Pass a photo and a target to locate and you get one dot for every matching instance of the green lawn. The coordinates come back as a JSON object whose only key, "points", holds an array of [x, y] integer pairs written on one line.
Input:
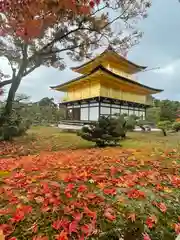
{"points": [[53, 139], [134, 139]]}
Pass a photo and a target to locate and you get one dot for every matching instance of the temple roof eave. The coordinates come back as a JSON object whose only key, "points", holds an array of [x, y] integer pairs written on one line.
{"points": [[110, 50], [100, 68]]}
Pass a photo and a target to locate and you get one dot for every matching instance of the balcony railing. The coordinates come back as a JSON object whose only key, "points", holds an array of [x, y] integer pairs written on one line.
{"points": [[148, 100]]}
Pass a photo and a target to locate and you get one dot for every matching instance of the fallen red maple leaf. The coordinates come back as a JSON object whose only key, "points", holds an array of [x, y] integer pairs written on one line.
{"points": [[62, 236], [90, 213], [162, 207], [87, 229], [110, 191], [82, 188], [77, 216], [18, 216], [57, 224], [109, 214], [134, 193], [151, 221], [177, 228], [73, 227], [40, 238], [146, 236], [132, 216]]}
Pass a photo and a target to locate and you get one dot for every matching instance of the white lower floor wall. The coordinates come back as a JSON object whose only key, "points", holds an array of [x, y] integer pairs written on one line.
{"points": [[115, 109], [93, 110], [92, 113], [84, 114]]}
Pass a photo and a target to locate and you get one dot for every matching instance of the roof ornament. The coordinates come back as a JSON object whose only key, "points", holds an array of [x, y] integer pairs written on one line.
{"points": [[110, 48]]}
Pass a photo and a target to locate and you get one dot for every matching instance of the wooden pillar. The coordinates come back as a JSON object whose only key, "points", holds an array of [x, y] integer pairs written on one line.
{"points": [[66, 113], [111, 109], [145, 112], [88, 111], [128, 109], [99, 100]]}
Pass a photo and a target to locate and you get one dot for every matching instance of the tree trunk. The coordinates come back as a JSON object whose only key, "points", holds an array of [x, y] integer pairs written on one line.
{"points": [[11, 96], [142, 128], [16, 79], [10, 99], [164, 132]]}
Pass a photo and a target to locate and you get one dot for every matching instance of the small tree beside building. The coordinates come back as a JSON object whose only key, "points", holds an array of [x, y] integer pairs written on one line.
{"points": [[107, 131], [164, 126], [176, 126]]}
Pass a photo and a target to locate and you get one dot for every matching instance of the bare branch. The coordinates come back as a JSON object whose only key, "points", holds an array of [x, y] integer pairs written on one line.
{"points": [[5, 82], [71, 48], [24, 51], [118, 17], [98, 10], [31, 70], [21, 97]]}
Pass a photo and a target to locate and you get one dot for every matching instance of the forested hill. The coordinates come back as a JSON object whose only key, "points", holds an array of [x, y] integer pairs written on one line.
{"points": [[45, 111]]}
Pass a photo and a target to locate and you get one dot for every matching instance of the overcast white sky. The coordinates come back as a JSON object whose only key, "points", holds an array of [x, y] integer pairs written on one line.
{"points": [[159, 47]]}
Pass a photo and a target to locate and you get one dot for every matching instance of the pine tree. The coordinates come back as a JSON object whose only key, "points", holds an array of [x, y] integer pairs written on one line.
{"points": [[106, 131]]}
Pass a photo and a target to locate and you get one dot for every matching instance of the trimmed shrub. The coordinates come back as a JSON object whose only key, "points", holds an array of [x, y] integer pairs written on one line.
{"points": [[14, 126], [130, 123], [107, 131], [142, 124], [164, 126], [176, 126]]}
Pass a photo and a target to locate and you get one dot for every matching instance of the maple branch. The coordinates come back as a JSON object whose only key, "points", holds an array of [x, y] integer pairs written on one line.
{"points": [[98, 10], [58, 39], [31, 70], [9, 81], [71, 48], [25, 52], [118, 17]]}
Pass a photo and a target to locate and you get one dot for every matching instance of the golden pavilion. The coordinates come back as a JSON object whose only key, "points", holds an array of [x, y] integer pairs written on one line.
{"points": [[107, 87]]}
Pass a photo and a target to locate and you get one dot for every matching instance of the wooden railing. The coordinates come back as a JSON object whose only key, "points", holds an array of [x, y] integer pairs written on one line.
{"points": [[147, 101]]}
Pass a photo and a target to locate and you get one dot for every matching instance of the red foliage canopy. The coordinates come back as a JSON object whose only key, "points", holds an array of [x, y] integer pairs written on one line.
{"points": [[31, 17]]}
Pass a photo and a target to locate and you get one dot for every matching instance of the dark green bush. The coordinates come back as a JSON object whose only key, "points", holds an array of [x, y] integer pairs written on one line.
{"points": [[107, 131], [176, 126], [130, 123], [14, 126], [164, 126]]}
